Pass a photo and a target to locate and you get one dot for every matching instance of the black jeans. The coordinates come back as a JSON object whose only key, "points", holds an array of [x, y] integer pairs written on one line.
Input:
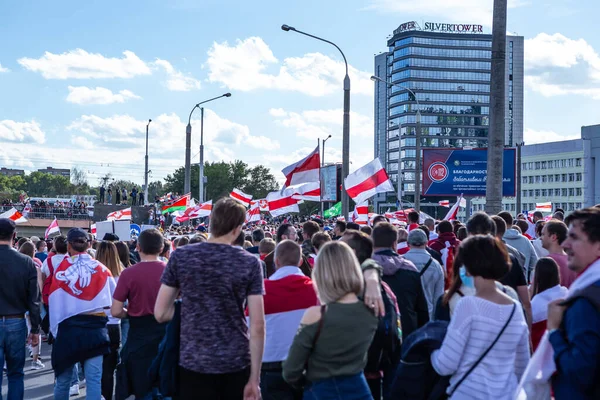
{"points": [[193, 385], [274, 387], [110, 361]]}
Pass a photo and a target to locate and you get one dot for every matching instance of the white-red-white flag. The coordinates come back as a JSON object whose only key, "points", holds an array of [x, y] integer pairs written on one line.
{"points": [[282, 202], [367, 181], [454, 210], [253, 214], [543, 207], [93, 229], [310, 191], [444, 203], [263, 204], [305, 170], [119, 215], [14, 215], [52, 228], [361, 213], [198, 211], [241, 197]]}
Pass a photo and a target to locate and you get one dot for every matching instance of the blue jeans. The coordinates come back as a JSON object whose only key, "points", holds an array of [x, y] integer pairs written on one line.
{"points": [[92, 368], [353, 387], [13, 334], [273, 387]]}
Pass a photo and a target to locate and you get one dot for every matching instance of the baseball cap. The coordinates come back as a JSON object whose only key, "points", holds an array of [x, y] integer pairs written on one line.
{"points": [[417, 237], [77, 235], [201, 228]]}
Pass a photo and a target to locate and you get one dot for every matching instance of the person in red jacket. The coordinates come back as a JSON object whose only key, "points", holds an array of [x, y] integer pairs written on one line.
{"points": [[447, 244]]}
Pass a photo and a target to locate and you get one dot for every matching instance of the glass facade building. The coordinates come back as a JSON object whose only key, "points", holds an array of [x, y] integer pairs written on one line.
{"points": [[449, 75]]}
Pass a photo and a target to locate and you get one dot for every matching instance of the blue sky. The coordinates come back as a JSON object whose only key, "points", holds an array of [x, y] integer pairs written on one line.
{"points": [[79, 80]]}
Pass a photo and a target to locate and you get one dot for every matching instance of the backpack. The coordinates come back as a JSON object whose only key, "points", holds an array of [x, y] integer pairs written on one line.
{"points": [[384, 352]]}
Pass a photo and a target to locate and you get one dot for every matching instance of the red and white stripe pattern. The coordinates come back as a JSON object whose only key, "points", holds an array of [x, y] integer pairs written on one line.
{"points": [[93, 229], [281, 203], [310, 191], [305, 170], [119, 215], [367, 181], [14, 215], [241, 197], [52, 228], [454, 210], [253, 214], [361, 213], [444, 203], [198, 211], [544, 207]]}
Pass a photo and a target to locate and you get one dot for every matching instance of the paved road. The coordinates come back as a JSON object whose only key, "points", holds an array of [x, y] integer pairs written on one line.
{"points": [[39, 385]]}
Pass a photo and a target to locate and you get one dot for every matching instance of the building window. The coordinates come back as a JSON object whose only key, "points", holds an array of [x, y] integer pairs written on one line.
{"points": [[550, 178], [578, 191], [564, 192], [524, 166], [543, 164], [571, 177], [537, 192], [544, 178], [531, 193], [537, 165], [531, 179], [578, 205], [578, 177], [578, 163], [557, 178], [544, 192]]}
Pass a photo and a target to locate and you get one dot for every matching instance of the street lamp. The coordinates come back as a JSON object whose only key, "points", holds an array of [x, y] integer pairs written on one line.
{"points": [[322, 165], [417, 146], [346, 121], [188, 144], [146, 169]]}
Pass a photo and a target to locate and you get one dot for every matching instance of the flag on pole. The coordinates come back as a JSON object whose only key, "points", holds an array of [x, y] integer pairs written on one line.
{"points": [[305, 170], [263, 204], [14, 215], [361, 213], [53, 228], [282, 202], [119, 215], [454, 210], [333, 211], [310, 191], [181, 204], [253, 214], [543, 207], [198, 211], [367, 181], [241, 197], [444, 203]]}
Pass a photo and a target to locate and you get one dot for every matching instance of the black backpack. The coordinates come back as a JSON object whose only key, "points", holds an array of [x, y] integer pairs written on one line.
{"points": [[386, 347]]}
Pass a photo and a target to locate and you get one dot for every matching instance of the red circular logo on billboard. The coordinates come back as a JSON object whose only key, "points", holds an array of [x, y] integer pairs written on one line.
{"points": [[438, 172]]}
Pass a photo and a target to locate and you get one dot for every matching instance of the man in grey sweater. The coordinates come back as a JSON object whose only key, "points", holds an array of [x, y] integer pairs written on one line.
{"points": [[515, 239]]}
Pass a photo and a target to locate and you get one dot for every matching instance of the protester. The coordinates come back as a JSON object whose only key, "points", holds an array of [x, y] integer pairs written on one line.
{"points": [[217, 356], [486, 348], [333, 339], [166, 251], [554, 234], [524, 226], [266, 247], [257, 235], [413, 220], [513, 238], [545, 289], [109, 196], [447, 245], [366, 230], [402, 277], [41, 250], [318, 240], [430, 224], [338, 229], [19, 293], [430, 271], [402, 246], [77, 316], [540, 251], [309, 228], [378, 219], [138, 285], [59, 252], [288, 294], [435, 254]]}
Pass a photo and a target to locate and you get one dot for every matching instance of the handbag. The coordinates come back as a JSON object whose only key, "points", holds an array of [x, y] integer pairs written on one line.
{"points": [[484, 353]]}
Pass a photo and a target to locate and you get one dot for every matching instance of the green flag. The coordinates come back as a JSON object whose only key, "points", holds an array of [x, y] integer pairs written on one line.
{"points": [[333, 211]]}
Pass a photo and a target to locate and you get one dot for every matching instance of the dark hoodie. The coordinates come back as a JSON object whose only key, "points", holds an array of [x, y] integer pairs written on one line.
{"points": [[402, 277]]}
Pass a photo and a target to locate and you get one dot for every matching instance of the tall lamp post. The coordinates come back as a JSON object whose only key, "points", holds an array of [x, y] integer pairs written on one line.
{"points": [[188, 145], [146, 168], [322, 165], [417, 147], [346, 121]]}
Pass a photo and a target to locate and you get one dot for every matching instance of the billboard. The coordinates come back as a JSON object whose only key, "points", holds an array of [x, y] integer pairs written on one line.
{"points": [[451, 172], [329, 185]]}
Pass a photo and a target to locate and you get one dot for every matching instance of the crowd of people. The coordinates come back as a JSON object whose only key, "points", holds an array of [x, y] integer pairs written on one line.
{"points": [[116, 195], [496, 307], [46, 209]]}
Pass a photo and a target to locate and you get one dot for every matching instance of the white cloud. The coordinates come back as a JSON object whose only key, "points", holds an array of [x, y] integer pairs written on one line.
{"points": [[532, 136], [557, 65], [118, 128], [245, 67], [98, 95], [177, 80], [315, 124], [30, 132], [3, 69], [79, 64], [82, 142], [466, 11]]}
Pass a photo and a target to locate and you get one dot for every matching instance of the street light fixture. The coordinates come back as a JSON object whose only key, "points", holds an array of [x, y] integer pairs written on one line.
{"points": [[417, 147], [146, 168], [188, 144], [346, 121], [322, 165]]}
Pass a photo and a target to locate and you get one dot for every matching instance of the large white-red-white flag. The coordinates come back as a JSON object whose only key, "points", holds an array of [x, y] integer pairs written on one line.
{"points": [[305, 170], [454, 210], [241, 197], [310, 191], [367, 181], [253, 214], [53, 228], [361, 213], [282, 202], [80, 285], [263, 204], [543, 207], [14, 215], [197, 211], [119, 215]]}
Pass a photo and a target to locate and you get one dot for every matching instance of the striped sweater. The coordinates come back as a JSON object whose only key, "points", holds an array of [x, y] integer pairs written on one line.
{"points": [[474, 326]]}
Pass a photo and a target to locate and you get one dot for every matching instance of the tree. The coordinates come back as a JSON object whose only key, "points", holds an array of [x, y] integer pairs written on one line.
{"points": [[78, 177], [495, 153], [155, 189], [261, 182]]}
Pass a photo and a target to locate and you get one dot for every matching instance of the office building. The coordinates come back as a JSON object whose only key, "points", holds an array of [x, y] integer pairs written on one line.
{"points": [[11, 172], [57, 171], [447, 69]]}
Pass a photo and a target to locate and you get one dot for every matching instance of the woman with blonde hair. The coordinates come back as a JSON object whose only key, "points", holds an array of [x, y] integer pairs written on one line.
{"points": [[108, 255], [329, 351]]}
